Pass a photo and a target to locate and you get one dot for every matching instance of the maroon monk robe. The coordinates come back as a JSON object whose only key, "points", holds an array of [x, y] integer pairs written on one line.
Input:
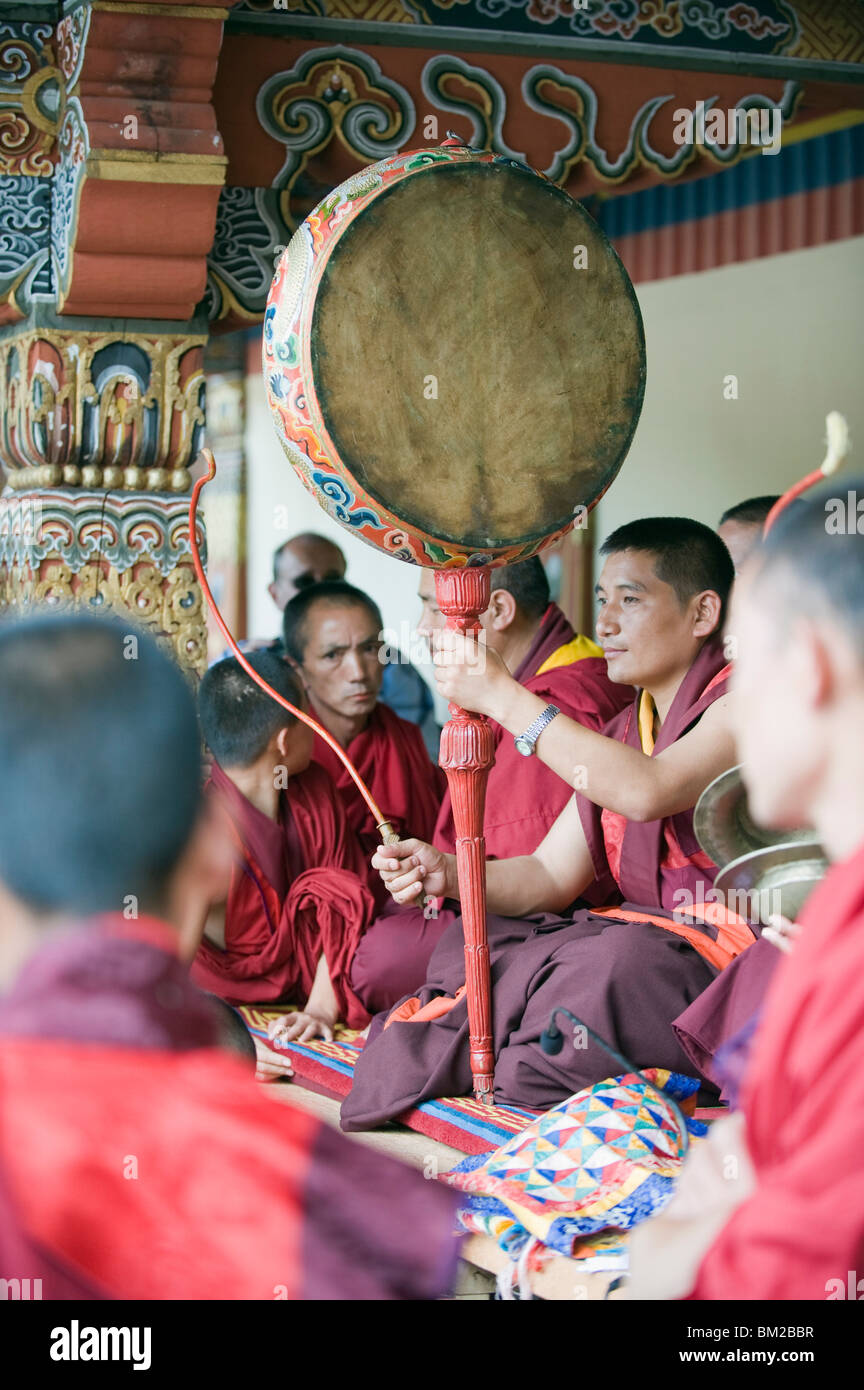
{"points": [[624, 976], [108, 1055], [730, 1005], [802, 1231], [296, 893], [391, 757], [656, 862], [523, 796], [523, 799]]}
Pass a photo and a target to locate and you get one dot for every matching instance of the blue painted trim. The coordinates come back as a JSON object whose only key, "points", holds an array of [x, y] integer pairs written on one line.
{"points": [[822, 162]]}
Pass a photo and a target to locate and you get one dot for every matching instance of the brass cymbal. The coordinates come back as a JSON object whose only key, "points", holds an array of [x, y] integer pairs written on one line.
{"points": [[775, 878], [724, 827]]}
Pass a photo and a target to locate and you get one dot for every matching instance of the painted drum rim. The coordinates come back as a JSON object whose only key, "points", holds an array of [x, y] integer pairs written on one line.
{"points": [[313, 456]]}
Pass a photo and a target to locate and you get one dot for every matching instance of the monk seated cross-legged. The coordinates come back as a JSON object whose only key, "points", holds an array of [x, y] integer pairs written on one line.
{"points": [[628, 969], [523, 796], [332, 637], [138, 1157], [298, 902]]}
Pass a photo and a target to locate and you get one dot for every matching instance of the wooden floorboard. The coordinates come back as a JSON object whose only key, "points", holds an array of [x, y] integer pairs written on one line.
{"points": [[429, 1155]]}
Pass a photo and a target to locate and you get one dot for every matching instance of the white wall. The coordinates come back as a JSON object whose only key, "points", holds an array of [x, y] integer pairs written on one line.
{"points": [[790, 327], [273, 490]]}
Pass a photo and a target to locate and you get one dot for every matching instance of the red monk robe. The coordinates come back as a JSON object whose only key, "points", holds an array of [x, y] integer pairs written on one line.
{"points": [[627, 970], [802, 1230], [391, 757], [298, 891], [109, 1057], [523, 799]]}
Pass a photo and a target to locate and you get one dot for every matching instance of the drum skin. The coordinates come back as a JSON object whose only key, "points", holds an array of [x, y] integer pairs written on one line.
{"points": [[454, 358]]}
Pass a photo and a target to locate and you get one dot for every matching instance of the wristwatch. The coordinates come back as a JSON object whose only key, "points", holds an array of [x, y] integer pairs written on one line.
{"points": [[525, 743]]}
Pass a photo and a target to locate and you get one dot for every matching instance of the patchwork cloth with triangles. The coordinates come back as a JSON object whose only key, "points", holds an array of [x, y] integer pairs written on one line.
{"points": [[606, 1158]]}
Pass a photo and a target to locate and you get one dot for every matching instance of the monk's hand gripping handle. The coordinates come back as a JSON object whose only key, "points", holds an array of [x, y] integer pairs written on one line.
{"points": [[389, 837]]}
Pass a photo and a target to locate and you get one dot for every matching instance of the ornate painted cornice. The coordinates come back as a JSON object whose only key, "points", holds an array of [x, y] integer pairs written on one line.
{"points": [[103, 552], [140, 158], [336, 108], [79, 527], [30, 96], [112, 111], [25, 239], [250, 236]]}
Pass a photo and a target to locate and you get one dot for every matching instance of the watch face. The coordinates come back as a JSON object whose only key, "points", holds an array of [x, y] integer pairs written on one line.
{"points": [[524, 746]]}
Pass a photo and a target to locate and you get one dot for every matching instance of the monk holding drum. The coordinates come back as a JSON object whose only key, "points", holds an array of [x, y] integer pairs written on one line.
{"points": [[457, 388], [629, 967]]}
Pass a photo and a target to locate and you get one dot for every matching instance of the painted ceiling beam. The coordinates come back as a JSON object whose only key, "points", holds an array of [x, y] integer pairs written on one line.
{"points": [[450, 40]]}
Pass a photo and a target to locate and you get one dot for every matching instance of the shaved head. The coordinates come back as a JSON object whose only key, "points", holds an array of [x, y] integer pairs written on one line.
{"points": [[740, 527], [686, 555], [528, 584], [238, 718], [304, 560], [99, 764], [751, 512], [812, 561], [519, 597], [797, 625]]}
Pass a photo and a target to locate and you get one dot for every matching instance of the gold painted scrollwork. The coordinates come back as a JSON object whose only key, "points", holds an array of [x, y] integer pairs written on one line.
{"points": [[171, 608]]}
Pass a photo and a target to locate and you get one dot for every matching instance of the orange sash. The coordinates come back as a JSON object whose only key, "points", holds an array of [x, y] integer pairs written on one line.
{"points": [[733, 933], [411, 1012]]}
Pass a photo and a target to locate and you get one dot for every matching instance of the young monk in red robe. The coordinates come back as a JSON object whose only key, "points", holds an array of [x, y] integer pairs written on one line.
{"points": [[626, 970], [332, 636], [137, 1157], [523, 796], [298, 903], [772, 1206]]}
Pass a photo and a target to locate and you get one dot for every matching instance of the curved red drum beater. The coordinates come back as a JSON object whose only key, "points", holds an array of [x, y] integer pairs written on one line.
{"points": [[388, 835]]}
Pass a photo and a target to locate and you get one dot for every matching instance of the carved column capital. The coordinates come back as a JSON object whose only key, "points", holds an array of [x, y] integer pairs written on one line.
{"points": [[100, 409]]}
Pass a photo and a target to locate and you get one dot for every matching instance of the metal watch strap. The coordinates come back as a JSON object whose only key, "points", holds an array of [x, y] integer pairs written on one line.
{"points": [[533, 732]]}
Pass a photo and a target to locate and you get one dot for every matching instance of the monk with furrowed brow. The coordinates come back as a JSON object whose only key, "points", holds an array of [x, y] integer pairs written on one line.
{"points": [[626, 969], [332, 637]]}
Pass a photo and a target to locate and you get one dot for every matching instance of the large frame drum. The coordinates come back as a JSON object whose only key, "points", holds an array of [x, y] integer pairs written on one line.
{"points": [[455, 363]]}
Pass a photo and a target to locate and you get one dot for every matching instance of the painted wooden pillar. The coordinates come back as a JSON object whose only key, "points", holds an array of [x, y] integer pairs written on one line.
{"points": [[111, 189]]}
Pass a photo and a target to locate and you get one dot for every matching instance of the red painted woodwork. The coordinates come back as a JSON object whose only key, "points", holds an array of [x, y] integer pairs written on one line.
{"points": [[167, 228], [255, 157], [467, 753], [812, 218], [140, 241]]}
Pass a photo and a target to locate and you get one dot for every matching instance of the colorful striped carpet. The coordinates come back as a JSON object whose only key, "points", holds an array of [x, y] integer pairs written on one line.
{"points": [[329, 1066]]}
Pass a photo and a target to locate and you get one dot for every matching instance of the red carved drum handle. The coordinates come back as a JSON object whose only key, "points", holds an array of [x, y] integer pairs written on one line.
{"points": [[467, 753]]}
